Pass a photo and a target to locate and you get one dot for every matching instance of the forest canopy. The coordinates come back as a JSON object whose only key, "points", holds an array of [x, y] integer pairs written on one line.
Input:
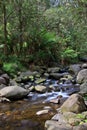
{"points": [[42, 31]]}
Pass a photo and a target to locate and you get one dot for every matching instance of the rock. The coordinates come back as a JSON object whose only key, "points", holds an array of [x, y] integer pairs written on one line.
{"points": [[60, 118], [57, 75], [68, 76], [6, 77], [57, 100], [26, 76], [40, 88], [31, 88], [74, 121], [82, 76], [1, 72], [2, 80], [75, 103], [3, 99], [13, 92], [64, 118], [75, 68], [83, 88], [13, 82], [81, 127], [46, 75], [47, 108], [2, 86], [40, 80], [42, 112], [55, 125], [53, 70], [84, 66]]}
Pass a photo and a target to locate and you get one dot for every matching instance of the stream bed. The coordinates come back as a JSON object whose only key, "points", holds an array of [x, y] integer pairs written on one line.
{"points": [[21, 114]]}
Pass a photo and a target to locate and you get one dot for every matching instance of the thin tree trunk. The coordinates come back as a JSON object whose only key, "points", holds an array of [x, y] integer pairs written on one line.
{"points": [[20, 27], [5, 29]]}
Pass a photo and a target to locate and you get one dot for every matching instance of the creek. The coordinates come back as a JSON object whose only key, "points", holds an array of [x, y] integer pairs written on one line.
{"points": [[21, 114]]}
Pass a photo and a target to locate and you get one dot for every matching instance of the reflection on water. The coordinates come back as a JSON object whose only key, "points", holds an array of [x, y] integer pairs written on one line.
{"points": [[22, 114]]}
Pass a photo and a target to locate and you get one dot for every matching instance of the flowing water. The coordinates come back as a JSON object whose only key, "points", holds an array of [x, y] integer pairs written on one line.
{"points": [[21, 114]]}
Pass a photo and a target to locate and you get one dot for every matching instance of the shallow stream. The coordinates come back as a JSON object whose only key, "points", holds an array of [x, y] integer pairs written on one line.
{"points": [[21, 114]]}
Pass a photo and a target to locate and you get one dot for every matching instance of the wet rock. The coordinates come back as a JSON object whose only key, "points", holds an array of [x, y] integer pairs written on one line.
{"points": [[57, 100], [82, 76], [46, 75], [13, 92], [40, 88], [75, 103], [47, 108], [53, 70], [3, 100], [40, 80], [57, 75], [84, 66], [42, 112], [31, 88], [75, 68], [68, 76]]}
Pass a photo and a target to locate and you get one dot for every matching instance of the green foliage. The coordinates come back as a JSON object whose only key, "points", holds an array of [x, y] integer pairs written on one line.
{"points": [[81, 116], [69, 54], [12, 66], [42, 33]]}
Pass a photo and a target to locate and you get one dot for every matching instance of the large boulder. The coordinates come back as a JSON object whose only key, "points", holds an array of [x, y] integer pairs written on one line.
{"points": [[75, 68], [13, 92], [83, 88], [82, 76], [55, 125], [75, 103]]}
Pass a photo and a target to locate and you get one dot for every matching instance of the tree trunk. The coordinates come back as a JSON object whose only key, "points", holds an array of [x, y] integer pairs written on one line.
{"points": [[20, 27], [5, 29]]}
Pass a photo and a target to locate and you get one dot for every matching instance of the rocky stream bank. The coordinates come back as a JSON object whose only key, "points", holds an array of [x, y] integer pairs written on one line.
{"points": [[32, 97]]}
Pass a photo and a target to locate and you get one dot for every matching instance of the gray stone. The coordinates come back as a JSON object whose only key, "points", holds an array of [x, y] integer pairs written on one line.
{"points": [[6, 77], [82, 76], [75, 103], [81, 127], [13, 92], [40, 80], [40, 88], [84, 66], [2, 80], [75, 68], [2, 86], [55, 125], [57, 75], [42, 112], [53, 70], [83, 88]]}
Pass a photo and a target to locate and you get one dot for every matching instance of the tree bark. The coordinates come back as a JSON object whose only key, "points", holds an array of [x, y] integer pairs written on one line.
{"points": [[5, 28]]}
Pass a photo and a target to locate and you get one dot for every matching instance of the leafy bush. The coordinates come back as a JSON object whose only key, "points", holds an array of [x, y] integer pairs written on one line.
{"points": [[69, 55], [13, 68]]}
